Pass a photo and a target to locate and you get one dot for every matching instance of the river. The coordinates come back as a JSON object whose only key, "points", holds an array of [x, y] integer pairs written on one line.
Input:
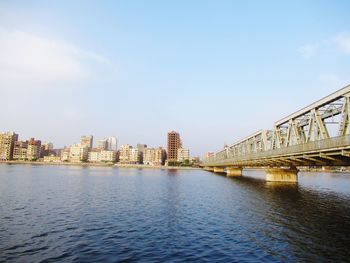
{"points": [[106, 214]]}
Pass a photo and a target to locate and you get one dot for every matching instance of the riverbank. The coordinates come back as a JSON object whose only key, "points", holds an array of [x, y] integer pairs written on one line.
{"points": [[117, 165]]}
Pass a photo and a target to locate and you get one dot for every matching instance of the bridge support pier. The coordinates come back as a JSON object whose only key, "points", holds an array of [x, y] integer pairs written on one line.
{"points": [[234, 171], [282, 175], [219, 169]]}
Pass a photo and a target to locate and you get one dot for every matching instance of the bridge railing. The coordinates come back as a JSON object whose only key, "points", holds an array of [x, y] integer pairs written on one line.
{"points": [[331, 143]]}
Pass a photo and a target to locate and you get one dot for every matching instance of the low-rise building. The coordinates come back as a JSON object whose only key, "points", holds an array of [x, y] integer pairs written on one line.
{"points": [[154, 156], [183, 154], [65, 152], [94, 155], [52, 159]]}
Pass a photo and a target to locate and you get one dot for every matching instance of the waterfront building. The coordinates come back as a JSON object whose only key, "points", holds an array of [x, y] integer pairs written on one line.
{"points": [[183, 154], [154, 156], [65, 153], [98, 155], [102, 144], [20, 150], [34, 149], [112, 143], [124, 153], [94, 155], [141, 148], [7, 142], [46, 149], [108, 156], [86, 141], [174, 143], [52, 159], [78, 153], [135, 156], [129, 155]]}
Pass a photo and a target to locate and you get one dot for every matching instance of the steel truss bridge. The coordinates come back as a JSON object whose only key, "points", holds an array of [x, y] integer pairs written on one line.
{"points": [[317, 135]]}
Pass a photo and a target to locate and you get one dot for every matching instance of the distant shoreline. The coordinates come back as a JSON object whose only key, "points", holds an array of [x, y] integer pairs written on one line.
{"points": [[117, 165]]}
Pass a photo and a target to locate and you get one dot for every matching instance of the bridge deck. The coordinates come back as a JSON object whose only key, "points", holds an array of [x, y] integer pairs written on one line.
{"points": [[332, 151]]}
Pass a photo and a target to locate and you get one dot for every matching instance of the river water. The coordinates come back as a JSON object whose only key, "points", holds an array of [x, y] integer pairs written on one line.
{"points": [[95, 214]]}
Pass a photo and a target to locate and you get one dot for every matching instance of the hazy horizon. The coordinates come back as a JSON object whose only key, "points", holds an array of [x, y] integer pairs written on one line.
{"points": [[214, 71]]}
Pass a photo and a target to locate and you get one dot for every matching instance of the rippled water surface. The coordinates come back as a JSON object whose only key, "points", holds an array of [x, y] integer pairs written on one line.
{"points": [[79, 214]]}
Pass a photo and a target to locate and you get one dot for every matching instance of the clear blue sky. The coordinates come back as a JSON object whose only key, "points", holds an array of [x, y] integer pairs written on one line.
{"points": [[215, 71]]}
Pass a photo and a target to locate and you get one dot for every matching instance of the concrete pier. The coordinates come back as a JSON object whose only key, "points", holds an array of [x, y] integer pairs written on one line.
{"points": [[282, 175], [234, 171], [219, 169], [209, 168]]}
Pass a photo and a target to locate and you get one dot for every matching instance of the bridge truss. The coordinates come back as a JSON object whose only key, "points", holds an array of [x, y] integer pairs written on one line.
{"points": [[317, 135]]}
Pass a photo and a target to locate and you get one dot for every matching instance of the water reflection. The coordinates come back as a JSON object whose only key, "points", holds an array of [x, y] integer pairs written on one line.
{"points": [[109, 214]]}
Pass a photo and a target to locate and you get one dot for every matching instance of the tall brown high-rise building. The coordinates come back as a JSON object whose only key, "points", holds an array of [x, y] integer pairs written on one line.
{"points": [[174, 143]]}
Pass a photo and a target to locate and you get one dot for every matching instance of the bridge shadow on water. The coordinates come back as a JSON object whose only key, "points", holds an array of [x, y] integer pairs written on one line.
{"points": [[314, 223]]}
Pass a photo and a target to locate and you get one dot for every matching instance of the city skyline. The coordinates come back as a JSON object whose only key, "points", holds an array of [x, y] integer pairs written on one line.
{"points": [[140, 70], [14, 148]]}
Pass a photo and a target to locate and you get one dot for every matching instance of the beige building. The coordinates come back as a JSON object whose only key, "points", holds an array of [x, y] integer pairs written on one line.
{"points": [[98, 155], [65, 154], [78, 153], [20, 150], [154, 156], [129, 155], [94, 155], [7, 142], [34, 149], [108, 156], [183, 154]]}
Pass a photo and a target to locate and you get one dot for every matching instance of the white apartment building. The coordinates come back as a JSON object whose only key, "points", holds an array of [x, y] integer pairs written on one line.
{"points": [[112, 143], [183, 154]]}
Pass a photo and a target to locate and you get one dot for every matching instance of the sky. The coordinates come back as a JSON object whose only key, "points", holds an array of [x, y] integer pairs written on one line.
{"points": [[215, 71]]}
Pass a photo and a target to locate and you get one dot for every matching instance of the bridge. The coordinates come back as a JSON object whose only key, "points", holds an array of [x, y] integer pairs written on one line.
{"points": [[317, 135]]}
